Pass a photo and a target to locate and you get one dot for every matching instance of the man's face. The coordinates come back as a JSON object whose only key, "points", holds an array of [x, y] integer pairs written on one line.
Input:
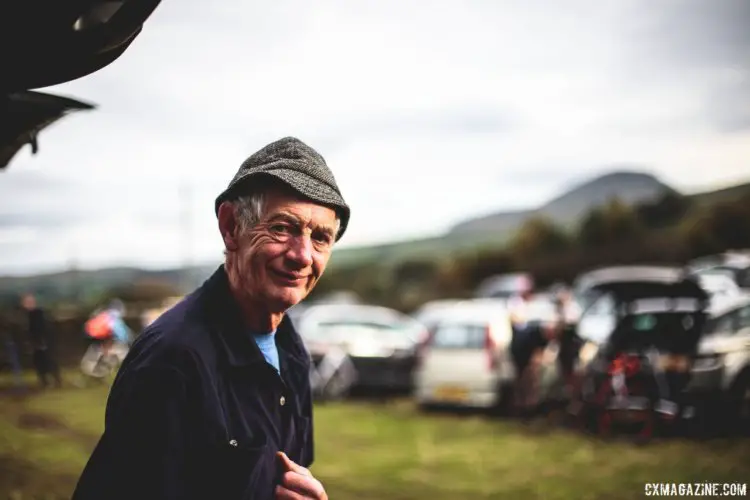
{"points": [[282, 258]]}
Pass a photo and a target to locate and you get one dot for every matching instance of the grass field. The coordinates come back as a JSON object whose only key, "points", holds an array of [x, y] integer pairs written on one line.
{"points": [[385, 450]]}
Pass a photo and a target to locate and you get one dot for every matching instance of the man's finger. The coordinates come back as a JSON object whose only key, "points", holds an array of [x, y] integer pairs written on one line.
{"points": [[290, 465], [287, 494], [307, 486]]}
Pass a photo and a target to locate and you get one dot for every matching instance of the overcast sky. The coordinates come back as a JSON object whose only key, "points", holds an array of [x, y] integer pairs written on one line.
{"points": [[427, 112]]}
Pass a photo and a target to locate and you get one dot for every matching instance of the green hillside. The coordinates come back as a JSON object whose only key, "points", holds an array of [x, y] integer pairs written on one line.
{"points": [[489, 231]]}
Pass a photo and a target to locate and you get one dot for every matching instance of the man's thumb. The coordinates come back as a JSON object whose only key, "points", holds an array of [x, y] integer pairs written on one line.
{"points": [[291, 466], [288, 464]]}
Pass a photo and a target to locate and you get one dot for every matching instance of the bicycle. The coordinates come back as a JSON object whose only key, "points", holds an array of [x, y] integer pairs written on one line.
{"points": [[100, 362]]}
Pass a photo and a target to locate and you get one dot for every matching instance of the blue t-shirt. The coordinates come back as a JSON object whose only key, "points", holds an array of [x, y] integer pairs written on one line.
{"points": [[267, 345]]}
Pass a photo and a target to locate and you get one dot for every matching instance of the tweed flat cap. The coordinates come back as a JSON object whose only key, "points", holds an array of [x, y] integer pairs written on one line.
{"points": [[298, 166]]}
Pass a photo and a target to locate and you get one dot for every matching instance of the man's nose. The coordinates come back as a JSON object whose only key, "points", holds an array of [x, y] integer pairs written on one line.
{"points": [[301, 251]]}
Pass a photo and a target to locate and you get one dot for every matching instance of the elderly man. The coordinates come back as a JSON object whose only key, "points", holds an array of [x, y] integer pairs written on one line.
{"points": [[214, 400]]}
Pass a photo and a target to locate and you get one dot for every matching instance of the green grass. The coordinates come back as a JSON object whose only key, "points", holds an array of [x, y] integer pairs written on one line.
{"points": [[386, 451]]}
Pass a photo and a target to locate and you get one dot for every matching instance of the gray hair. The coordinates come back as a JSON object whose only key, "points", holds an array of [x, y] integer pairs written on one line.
{"points": [[251, 208]]}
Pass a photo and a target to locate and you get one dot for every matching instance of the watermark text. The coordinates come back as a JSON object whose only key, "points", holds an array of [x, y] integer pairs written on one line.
{"points": [[700, 489]]}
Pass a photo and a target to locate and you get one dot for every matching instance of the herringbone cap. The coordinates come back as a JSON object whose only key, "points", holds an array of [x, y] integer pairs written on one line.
{"points": [[298, 166]]}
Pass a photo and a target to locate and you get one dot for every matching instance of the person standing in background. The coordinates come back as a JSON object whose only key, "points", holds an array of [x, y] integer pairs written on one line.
{"points": [[14, 361], [529, 339], [42, 342], [569, 313]]}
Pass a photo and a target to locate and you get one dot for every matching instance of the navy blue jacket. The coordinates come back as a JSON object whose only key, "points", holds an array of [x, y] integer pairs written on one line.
{"points": [[196, 412]]}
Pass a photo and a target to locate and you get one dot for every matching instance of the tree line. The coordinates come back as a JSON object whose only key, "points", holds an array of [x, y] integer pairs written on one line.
{"points": [[670, 230]]}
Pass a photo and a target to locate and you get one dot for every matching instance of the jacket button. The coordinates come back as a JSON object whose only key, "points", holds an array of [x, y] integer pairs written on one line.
{"points": [[282, 400]]}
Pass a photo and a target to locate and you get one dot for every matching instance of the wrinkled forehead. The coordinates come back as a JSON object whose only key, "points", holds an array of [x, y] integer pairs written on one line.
{"points": [[300, 211]]}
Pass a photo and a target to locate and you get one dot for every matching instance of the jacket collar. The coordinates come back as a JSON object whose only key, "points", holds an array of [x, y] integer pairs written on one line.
{"points": [[223, 315]]}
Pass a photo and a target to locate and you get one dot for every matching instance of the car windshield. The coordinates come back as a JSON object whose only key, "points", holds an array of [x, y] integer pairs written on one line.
{"points": [[718, 281], [664, 304], [458, 336], [336, 331]]}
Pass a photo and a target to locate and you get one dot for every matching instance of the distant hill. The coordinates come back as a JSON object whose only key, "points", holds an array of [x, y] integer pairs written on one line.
{"points": [[720, 195], [90, 282], [492, 230], [629, 187]]}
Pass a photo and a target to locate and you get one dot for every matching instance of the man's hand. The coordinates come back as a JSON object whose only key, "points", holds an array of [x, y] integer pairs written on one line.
{"points": [[298, 483]]}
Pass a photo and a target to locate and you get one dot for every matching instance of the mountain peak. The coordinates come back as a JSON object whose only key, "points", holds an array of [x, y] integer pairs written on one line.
{"points": [[628, 184], [631, 187]]}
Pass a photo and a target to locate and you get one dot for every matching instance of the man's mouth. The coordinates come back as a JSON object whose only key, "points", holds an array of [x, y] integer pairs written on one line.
{"points": [[290, 278]]}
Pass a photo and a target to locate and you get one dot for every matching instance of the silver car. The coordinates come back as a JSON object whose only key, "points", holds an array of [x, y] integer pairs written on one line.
{"points": [[381, 343], [467, 360], [720, 382]]}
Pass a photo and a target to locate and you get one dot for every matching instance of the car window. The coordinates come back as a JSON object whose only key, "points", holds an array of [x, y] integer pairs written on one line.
{"points": [[743, 318], [743, 278], [721, 324], [459, 336], [602, 306], [347, 329], [644, 322]]}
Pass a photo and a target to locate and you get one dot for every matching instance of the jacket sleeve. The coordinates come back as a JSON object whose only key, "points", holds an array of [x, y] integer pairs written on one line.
{"points": [[141, 453]]}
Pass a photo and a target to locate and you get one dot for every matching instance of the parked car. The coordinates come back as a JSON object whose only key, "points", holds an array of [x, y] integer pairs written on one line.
{"points": [[637, 362], [720, 285], [720, 384], [599, 309], [339, 297], [467, 360], [382, 343], [735, 264]]}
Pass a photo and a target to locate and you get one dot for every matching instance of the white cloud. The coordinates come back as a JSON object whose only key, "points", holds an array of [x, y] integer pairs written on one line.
{"points": [[426, 114]]}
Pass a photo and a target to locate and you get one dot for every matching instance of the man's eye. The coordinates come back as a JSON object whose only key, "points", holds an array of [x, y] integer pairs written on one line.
{"points": [[279, 228], [323, 238]]}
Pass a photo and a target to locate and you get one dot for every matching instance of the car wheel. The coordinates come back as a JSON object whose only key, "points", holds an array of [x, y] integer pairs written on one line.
{"points": [[427, 407], [504, 401]]}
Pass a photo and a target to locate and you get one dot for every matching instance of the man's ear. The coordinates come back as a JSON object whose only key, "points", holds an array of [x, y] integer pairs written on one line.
{"points": [[228, 226]]}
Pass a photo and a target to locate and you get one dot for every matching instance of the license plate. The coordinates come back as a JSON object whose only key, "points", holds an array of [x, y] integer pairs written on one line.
{"points": [[451, 393], [704, 363], [632, 403], [674, 363]]}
